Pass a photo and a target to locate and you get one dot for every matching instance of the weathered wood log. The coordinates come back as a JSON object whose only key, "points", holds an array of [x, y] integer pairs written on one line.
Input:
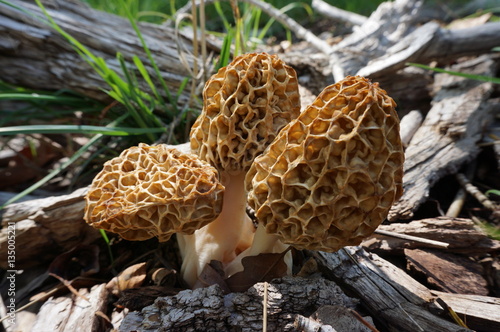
{"points": [[448, 136], [480, 312], [431, 42], [462, 235], [396, 300], [44, 228], [74, 313], [394, 29], [209, 309], [35, 56]]}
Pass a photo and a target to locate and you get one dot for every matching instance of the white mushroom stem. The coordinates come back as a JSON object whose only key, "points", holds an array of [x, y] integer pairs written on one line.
{"points": [[263, 243], [224, 238]]}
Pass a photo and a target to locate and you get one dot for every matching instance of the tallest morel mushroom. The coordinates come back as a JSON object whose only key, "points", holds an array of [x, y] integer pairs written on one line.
{"points": [[330, 177], [244, 107]]}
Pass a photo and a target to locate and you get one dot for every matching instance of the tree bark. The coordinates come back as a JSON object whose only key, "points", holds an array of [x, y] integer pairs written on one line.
{"points": [[209, 309]]}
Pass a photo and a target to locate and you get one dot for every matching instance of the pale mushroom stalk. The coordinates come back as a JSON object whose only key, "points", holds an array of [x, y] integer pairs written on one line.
{"points": [[245, 104], [224, 238], [331, 175]]}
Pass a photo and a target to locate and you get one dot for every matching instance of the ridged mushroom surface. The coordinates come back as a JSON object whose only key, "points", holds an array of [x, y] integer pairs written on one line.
{"points": [[245, 104], [330, 176], [153, 191]]}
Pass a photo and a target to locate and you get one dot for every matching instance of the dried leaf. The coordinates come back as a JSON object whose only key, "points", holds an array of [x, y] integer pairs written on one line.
{"points": [[212, 273], [164, 276], [131, 277], [263, 267]]}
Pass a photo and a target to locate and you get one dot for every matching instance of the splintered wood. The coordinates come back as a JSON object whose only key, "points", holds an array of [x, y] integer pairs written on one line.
{"points": [[448, 136]]}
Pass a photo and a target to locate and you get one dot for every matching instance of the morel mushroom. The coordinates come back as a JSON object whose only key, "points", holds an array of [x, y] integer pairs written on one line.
{"points": [[153, 191], [330, 177], [245, 105]]}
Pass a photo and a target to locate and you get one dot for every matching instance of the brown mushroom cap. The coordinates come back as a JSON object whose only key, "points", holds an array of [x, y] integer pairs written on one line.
{"points": [[330, 177], [244, 106], [154, 191]]}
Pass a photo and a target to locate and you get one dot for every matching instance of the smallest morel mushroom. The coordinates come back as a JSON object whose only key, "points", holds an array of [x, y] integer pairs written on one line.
{"points": [[154, 191], [330, 177]]}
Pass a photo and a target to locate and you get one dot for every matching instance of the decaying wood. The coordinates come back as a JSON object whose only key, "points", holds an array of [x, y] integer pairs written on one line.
{"points": [[74, 313], [35, 56], [44, 228], [481, 312], [396, 300], [208, 309], [448, 136], [462, 236], [394, 28], [431, 42], [447, 271], [385, 27]]}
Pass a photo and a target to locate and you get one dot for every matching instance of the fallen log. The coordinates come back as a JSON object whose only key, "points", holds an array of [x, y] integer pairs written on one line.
{"points": [[44, 228], [390, 295], [33, 55], [481, 312], [448, 136]]}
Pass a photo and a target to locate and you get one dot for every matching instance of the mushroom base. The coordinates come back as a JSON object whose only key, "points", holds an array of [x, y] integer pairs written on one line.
{"points": [[224, 238], [263, 243]]}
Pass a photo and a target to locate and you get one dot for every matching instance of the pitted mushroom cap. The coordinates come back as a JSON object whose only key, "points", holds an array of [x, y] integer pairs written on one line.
{"points": [[331, 176], [245, 105], [151, 191]]}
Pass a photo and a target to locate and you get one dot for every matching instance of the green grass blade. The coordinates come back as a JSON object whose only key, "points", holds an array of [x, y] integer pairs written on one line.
{"points": [[456, 73], [223, 18], [74, 129], [225, 53], [38, 97], [149, 55], [142, 69], [67, 163]]}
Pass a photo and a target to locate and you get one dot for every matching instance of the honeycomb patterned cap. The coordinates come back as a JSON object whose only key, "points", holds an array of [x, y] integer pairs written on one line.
{"points": [[245, 104], [151, 191], [331, 176]]}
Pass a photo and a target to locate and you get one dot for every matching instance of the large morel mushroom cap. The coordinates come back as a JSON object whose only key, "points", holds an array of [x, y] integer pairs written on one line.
{"points": [[153, 191], [330, 177], [244, 106]]}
